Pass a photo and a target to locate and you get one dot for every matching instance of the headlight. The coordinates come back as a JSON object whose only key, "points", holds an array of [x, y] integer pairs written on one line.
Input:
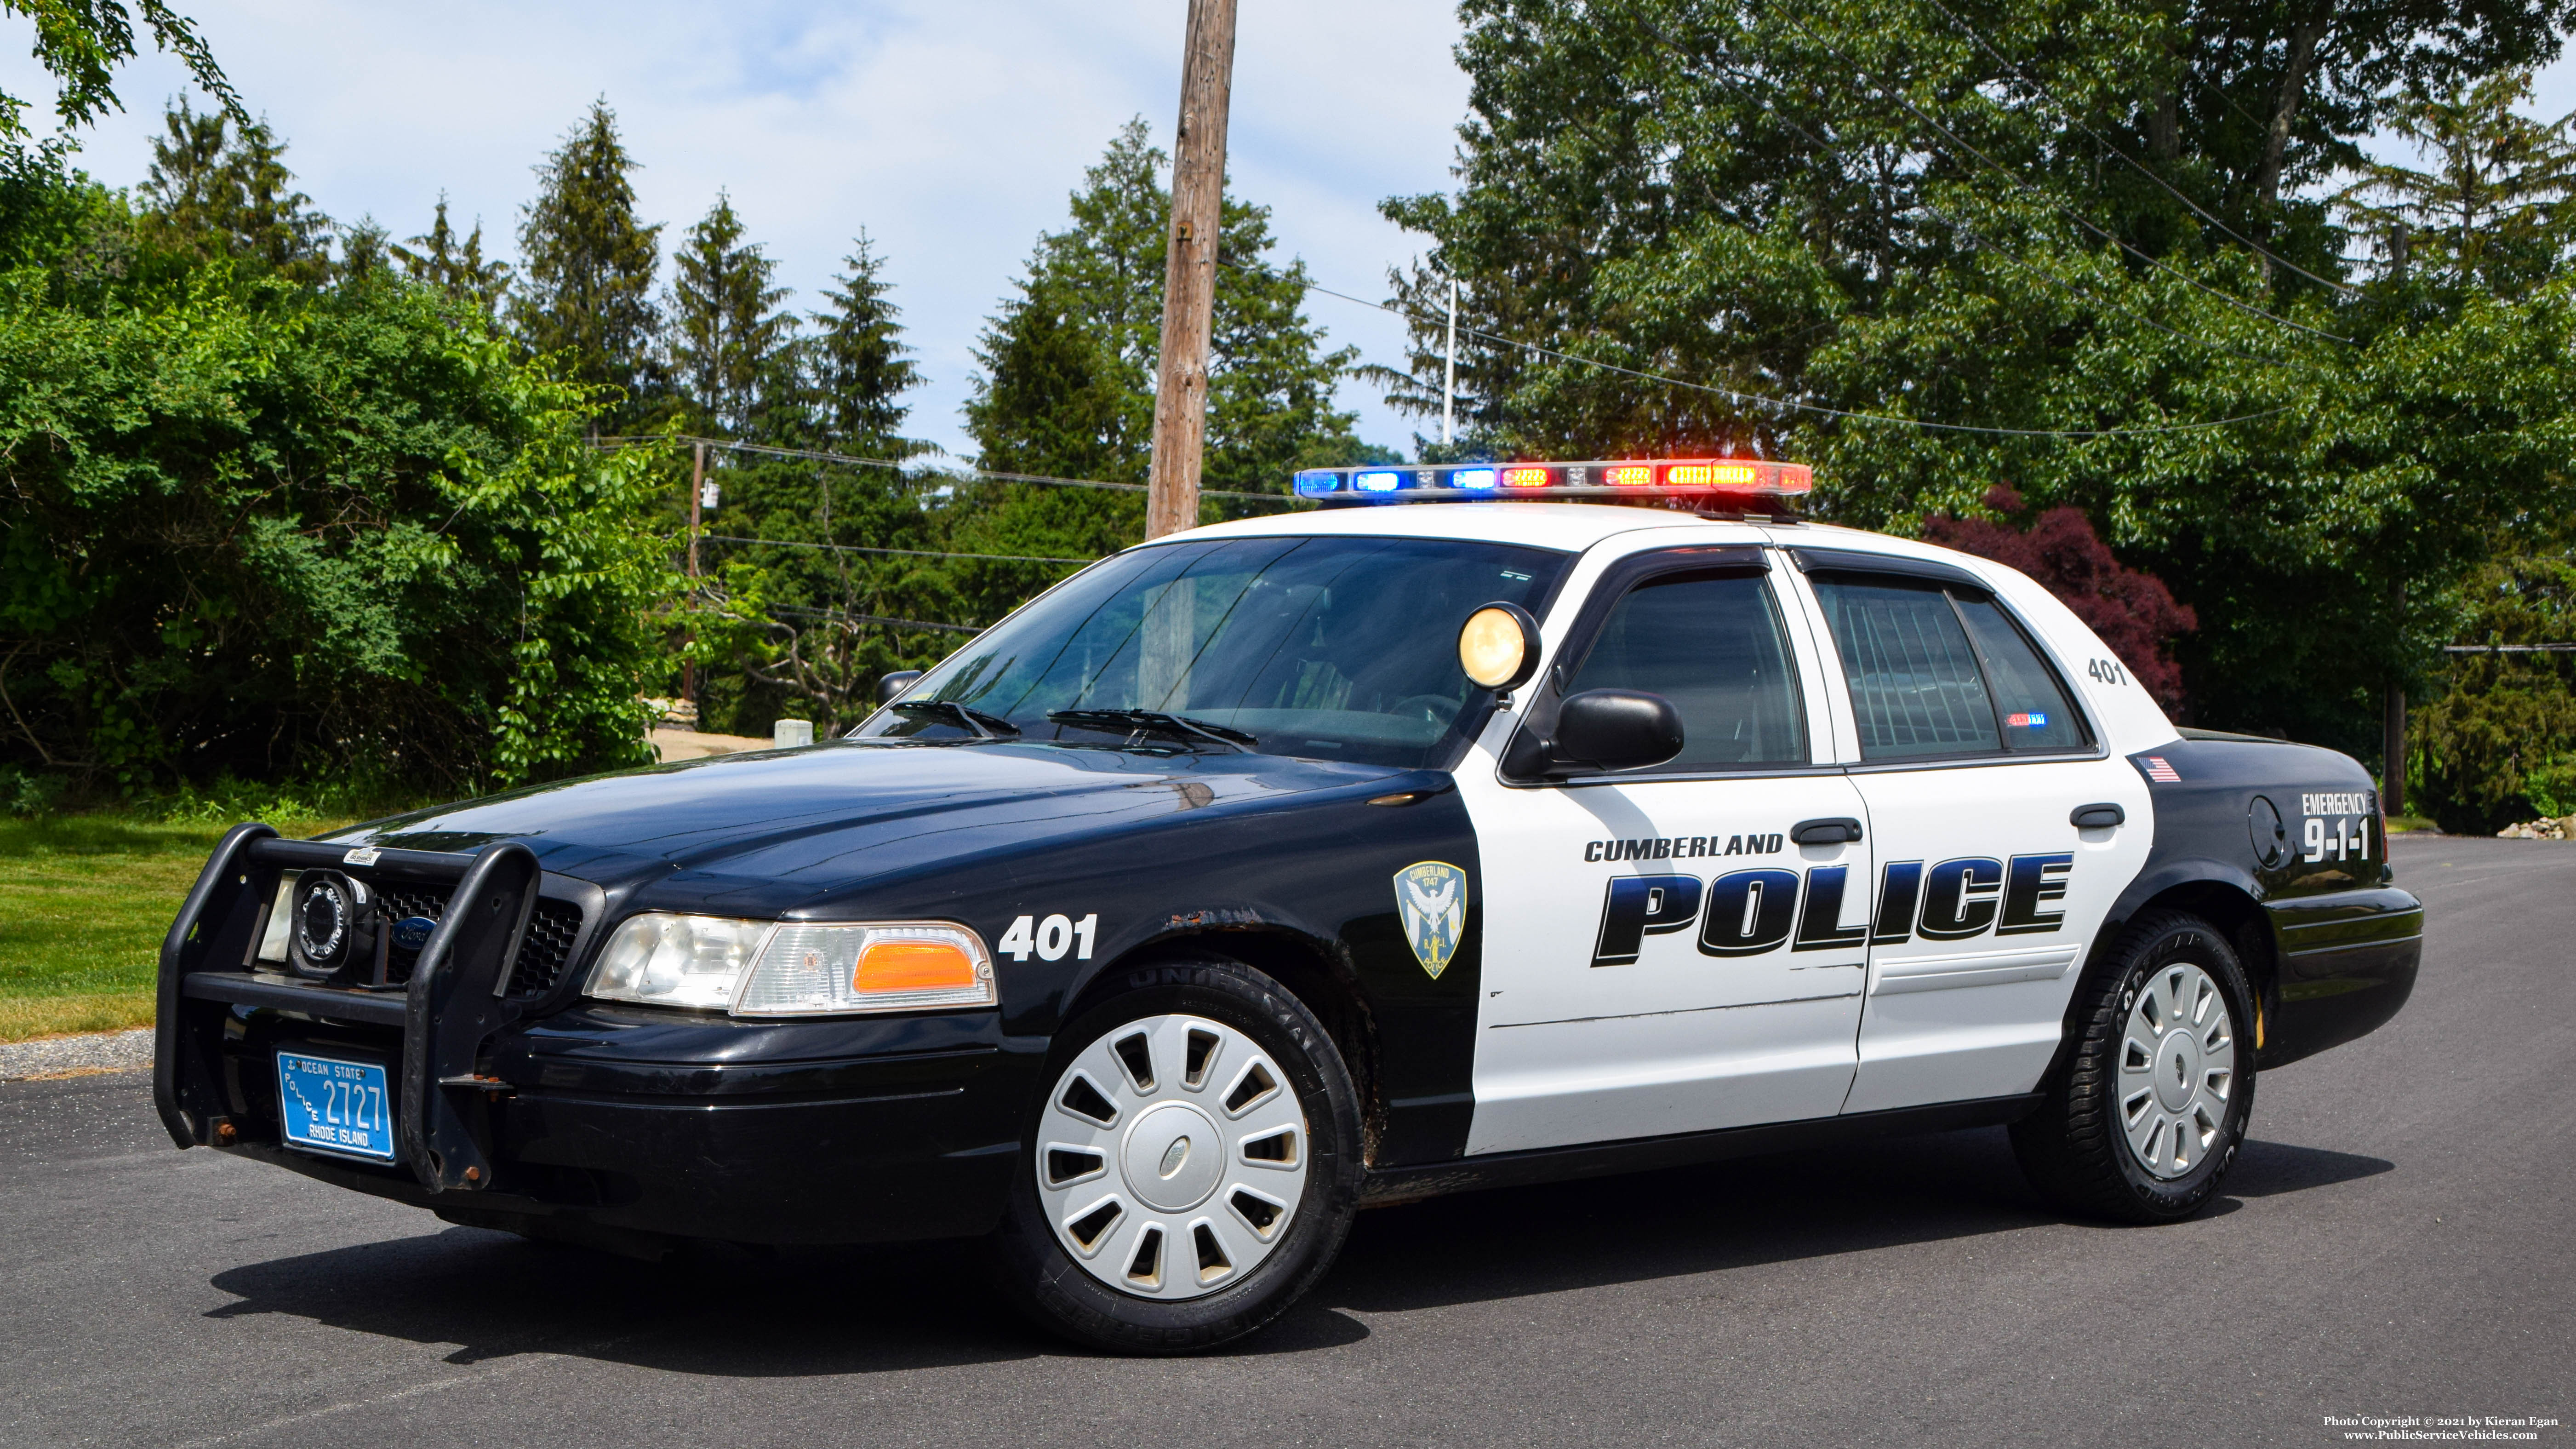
{"points": [[792, 968]]}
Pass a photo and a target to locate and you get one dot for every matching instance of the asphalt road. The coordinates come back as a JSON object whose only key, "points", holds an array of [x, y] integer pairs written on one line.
{"points": [[2397, 1239]]}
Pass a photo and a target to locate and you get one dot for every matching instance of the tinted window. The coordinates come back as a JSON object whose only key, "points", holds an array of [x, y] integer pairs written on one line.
{"points": [[2035, 710], [1712, 645], [1922, 685], [1914, 682], [1337, 648]]}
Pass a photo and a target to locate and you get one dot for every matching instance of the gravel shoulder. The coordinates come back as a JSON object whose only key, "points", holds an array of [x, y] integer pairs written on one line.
{"points": [[76, 1056]]}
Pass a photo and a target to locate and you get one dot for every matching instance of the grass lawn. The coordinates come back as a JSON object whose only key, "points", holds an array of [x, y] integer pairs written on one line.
{"points": [[84, 902]]}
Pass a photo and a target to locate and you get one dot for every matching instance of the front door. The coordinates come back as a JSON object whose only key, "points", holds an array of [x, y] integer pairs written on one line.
{"points": [[1660, 954], [1973, 760]]}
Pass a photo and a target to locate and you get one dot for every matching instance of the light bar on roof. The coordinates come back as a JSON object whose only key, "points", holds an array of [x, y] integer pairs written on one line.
{"points": [[1638, 478]]}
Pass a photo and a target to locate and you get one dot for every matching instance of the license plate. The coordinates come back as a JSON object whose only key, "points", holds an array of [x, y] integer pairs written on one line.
{"points": [[327, 1105]]}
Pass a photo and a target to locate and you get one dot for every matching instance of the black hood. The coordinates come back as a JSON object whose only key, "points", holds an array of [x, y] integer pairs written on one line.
{"points": [[783, 827]]}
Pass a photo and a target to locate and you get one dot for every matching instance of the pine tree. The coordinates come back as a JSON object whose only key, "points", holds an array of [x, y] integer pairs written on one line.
{"points": [[860, 366], [436, 259], [366, 251], [2493, 212], [590, 267], [728, 342], [1070, 362], [217, 190]]}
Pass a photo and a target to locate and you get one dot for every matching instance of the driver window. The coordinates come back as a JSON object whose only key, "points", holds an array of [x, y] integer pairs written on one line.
{"points": [[1712, 644]]}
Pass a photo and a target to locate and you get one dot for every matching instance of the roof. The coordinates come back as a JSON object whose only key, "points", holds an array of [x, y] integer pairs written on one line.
{"points": [[1572, 527]]}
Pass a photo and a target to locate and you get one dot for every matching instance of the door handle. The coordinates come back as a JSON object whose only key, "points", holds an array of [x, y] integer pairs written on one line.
{"points": [[2097, 817], [1840, 831]]}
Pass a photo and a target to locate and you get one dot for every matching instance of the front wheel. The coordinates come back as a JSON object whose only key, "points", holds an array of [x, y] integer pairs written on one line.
{"points": [[2146, 1117], [1193, 1168]]}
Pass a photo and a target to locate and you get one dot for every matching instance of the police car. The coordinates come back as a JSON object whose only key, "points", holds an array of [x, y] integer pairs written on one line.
{"points": [[1487, 825]]}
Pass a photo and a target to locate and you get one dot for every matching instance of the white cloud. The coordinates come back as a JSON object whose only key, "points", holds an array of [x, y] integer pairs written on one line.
{"points": [[951, 132]]}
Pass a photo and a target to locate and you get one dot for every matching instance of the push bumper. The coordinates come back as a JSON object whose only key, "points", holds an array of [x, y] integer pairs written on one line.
{"points": [[589, 1121]]}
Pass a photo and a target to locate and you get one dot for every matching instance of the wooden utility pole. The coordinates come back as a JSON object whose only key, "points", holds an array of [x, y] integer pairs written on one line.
{"points": [[697, 490], [1189, 269]]}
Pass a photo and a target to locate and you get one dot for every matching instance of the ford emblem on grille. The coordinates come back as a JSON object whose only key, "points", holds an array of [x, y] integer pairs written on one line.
{"points": [[412, 932]]}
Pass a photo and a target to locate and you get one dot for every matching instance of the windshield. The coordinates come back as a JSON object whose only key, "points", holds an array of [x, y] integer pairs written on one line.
{"points": [[1333, 648]]}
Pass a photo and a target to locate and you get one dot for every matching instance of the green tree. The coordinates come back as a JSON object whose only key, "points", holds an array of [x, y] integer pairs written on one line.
{"points": [[589, 263], [437, 259], [1067, 387], [80, 43], [2498, 744], [798, 626], [2492, 213], [217, 190], [271, 530], [860, 367], [730, 346], [2065, 238]]}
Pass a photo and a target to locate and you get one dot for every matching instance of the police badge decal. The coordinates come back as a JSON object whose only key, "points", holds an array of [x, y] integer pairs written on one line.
{"points": [[1432, 897]]}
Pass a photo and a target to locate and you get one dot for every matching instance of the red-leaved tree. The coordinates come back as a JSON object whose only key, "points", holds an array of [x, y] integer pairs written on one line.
{"points": [[2133, 611]]}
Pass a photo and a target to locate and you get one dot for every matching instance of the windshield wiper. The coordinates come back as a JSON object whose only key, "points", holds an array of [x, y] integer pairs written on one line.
{"points": [[1138, 721], [985, 726]]}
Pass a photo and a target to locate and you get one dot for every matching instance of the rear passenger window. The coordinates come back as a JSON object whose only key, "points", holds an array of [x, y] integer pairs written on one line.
{"points": [[1711, 643], [2035, 711], [1941, 671]]}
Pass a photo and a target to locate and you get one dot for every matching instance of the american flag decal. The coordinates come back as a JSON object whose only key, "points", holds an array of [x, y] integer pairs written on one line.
{"points": [[2157, 770]]}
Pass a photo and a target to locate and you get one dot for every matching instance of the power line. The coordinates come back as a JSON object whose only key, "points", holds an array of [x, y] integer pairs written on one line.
{"points": [[1757, 400], [2056, 203], [766, 450], [906, 552], [2141, 167], [836, 617]]}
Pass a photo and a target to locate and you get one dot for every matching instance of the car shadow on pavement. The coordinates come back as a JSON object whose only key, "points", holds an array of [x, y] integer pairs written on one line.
{"points": [[734, 1312], [715, 1309], [1745, 1213], [2268, 1169]]}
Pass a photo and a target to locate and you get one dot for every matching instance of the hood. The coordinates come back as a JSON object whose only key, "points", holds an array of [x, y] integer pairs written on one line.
{"points": [[782, 826]]}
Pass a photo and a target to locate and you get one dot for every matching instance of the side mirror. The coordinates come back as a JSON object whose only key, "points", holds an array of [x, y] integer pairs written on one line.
{"points": [[1607, 730], [1498, 647], [890, 685]]}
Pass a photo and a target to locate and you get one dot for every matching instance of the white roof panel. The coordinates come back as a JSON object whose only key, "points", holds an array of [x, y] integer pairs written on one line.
{"points": [[1572, 527]]}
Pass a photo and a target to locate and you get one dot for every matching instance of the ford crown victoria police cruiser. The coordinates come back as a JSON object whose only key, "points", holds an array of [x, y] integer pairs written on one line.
{"points": [[1286, 866]]}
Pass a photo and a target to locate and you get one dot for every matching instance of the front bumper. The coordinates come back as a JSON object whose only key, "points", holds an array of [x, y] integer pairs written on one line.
{"points": [[592, 1121], [812, 1132]]}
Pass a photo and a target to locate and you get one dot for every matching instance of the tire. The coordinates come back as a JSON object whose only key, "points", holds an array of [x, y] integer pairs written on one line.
{"points": [[2143, 1121], [1227, 1053]]}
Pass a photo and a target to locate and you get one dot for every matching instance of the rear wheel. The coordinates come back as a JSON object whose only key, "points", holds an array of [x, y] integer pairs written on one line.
{"points": [[2145, 1119], [1193, 1168]]}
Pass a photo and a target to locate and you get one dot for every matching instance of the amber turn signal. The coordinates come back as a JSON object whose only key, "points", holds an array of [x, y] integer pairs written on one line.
{"points": [[913, 966]]}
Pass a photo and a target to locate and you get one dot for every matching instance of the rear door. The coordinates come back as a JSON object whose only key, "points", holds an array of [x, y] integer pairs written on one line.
{"points": [[1972, 758], [1660, 955]]}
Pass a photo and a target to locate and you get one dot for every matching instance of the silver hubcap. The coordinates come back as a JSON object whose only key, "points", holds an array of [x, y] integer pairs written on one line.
{"points": [[1171, 1157], [2177, 1070]]}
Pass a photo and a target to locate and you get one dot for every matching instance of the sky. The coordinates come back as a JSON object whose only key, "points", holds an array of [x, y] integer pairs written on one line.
{"points": [[951, 132]]}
